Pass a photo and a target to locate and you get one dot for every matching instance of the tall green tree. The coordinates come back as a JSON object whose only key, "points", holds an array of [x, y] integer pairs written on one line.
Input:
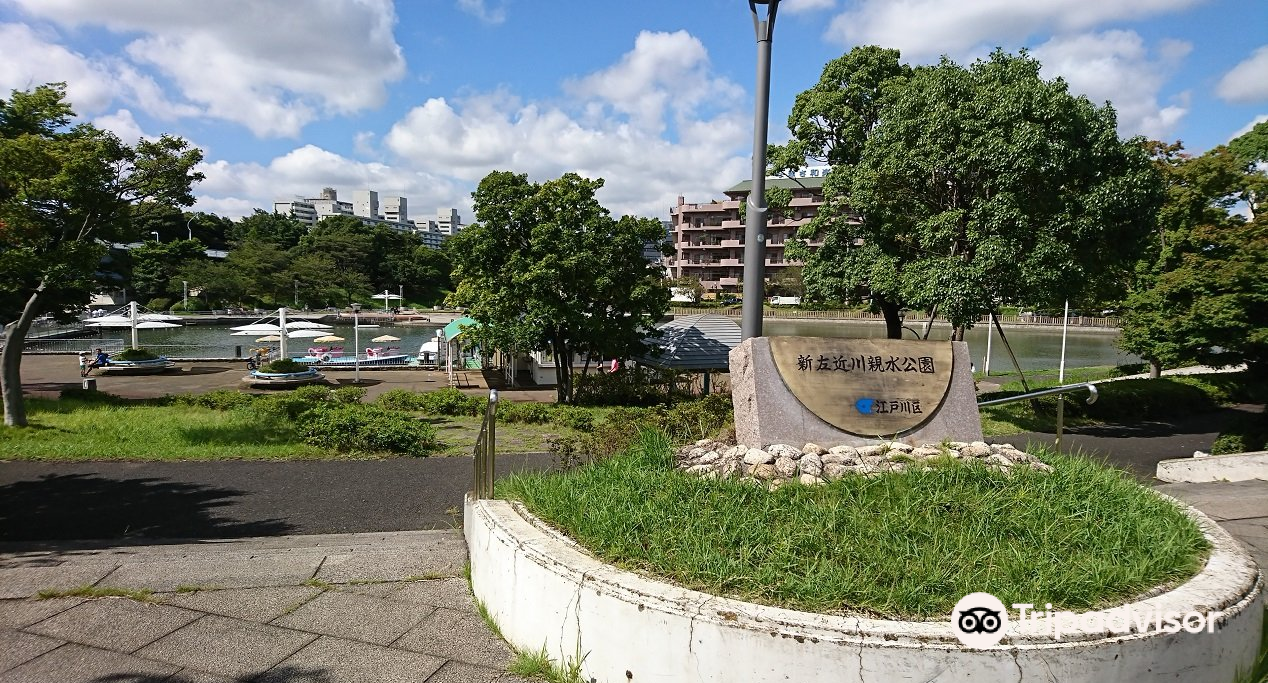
{"points": [[1201, 289], [155, 266], [984, 184], [546, 267], [281, 231], [63, 190]]}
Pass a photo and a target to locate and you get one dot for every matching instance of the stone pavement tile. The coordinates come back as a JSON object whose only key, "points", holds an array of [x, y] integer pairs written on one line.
{"points": [[285, 570], [195, 676], [1254, 530], [260, 605], [25, 582], [1225, 500], [115, 624], [17, 647], [451, 593], [228, 647], [19, 613], [460, 635], [446, 559], [347, 661], [358, 617], [462, 672], [375, 589], [73, 663]]}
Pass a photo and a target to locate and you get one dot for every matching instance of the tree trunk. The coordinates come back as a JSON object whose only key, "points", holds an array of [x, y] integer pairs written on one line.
{"points": [[1155, 369], [563, 368], [957, 333], [933, 313], [11, 361], [893, 317]]}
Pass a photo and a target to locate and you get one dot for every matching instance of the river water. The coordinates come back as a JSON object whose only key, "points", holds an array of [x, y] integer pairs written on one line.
{"points": [[1037, 347]]}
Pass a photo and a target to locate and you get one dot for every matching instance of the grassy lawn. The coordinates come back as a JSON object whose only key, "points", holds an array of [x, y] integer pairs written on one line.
{"points": [[897, 545], [73, 430], [459, 435]]}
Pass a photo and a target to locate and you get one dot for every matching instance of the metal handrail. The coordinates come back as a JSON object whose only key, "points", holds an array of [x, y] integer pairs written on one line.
{"points": [[1045, 392], [1093, 394], [485, 454]]}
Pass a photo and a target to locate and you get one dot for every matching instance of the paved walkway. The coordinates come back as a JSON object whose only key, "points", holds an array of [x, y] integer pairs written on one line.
{"points": [[355, 608], [349, 608]]}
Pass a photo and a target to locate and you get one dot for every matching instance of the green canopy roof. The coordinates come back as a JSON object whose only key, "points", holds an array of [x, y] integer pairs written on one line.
{"points": [[454, 329]]}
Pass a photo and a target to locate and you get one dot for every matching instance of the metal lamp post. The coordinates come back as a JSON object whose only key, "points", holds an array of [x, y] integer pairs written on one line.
{"points": [[156, 237], [356, 343], [188, 227], [755, 227]]}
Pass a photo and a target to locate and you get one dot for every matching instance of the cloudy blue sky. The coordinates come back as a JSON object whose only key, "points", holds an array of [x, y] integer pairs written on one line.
{"points": [[424, 97]]}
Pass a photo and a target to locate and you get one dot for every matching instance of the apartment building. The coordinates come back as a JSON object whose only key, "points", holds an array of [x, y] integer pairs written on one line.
{"points": [[708, 239], [365, 207]]}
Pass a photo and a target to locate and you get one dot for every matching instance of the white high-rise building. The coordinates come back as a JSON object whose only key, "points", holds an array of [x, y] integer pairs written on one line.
{"points": [[396, 209], [365, 203], [448, 221]]}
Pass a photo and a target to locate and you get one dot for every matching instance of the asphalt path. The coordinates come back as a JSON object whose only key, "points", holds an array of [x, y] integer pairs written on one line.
{"points": [[131, 502], [147, 502]]}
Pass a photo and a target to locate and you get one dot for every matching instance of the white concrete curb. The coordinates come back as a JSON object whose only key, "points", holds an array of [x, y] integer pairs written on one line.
{"points": [[543, 590], [1234, 467]]}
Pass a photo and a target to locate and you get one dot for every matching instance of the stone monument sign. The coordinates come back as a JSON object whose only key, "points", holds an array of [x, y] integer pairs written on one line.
{"points": [[834, 391]]}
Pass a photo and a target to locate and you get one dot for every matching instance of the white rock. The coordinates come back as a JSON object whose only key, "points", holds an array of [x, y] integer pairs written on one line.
{"points": [[976, 451], [926, 452], [728, 468], [704, 442], [811, 464], [997, 459], [897, 446], [810, 480], [764, 472], [834, 471], [834, 459], [783, 450], [956, 445], [785, 466], [734, 452], [699, 469], [865, 451], [709, 458], [757, 456], [696, 452], [848, 451], [814, 448]]}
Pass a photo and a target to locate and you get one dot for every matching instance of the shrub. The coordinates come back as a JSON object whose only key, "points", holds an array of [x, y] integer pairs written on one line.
{"points": [[159, 303], [284, 365], [369, 429], [640, 386], [1245, 434], [220, 399], [345, 395], [573, 417], [292, 404], [134, 354], [528, 412], [450, 401], [400, 399]]}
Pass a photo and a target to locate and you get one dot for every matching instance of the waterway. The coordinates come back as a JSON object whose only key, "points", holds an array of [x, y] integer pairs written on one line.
{"points": [[1036, 347]]}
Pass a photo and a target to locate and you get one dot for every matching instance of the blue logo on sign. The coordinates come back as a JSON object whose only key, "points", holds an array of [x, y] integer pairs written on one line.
{"points": [[864, 405]]}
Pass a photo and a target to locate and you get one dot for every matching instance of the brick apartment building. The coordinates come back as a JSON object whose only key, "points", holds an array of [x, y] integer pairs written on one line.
{"points": [[708, 238]]}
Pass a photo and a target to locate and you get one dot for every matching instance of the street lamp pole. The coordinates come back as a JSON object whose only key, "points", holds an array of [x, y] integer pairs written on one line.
{"points": [[356, 343], [156, 237], [188, 227], [755, 228]]}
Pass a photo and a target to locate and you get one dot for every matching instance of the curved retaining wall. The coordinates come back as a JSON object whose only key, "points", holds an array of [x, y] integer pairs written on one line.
{"points": [[544, 591]]}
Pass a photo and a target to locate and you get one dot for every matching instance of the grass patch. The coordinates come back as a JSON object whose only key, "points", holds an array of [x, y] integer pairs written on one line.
{"points": [[897, 545], [318, 583], [138, 594]]}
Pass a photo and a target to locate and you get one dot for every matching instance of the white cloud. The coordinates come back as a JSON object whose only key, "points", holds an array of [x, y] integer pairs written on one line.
{"points": [[481, 10], [1248, 81], [90, 86], [1247, 128], [122, 123], [613, 128], [240, 187], [928, 28], [1118, 67], [804, 6], [269, 66]]}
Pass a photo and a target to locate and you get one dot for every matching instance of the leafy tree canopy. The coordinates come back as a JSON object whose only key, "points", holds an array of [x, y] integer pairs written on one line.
{"points": [[64, 190], [957, 188], [546, 267]]}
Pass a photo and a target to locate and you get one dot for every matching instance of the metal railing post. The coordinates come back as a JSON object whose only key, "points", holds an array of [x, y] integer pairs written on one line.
{"points": [[485, 451], [1092, 396]]}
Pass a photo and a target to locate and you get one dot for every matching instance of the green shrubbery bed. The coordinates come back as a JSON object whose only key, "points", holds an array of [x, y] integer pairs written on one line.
{"points": [[903, 545]]}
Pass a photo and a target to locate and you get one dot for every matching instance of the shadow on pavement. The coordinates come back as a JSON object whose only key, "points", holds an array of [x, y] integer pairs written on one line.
{"points": [[207, 370], [64, 507], [281, 674]]}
